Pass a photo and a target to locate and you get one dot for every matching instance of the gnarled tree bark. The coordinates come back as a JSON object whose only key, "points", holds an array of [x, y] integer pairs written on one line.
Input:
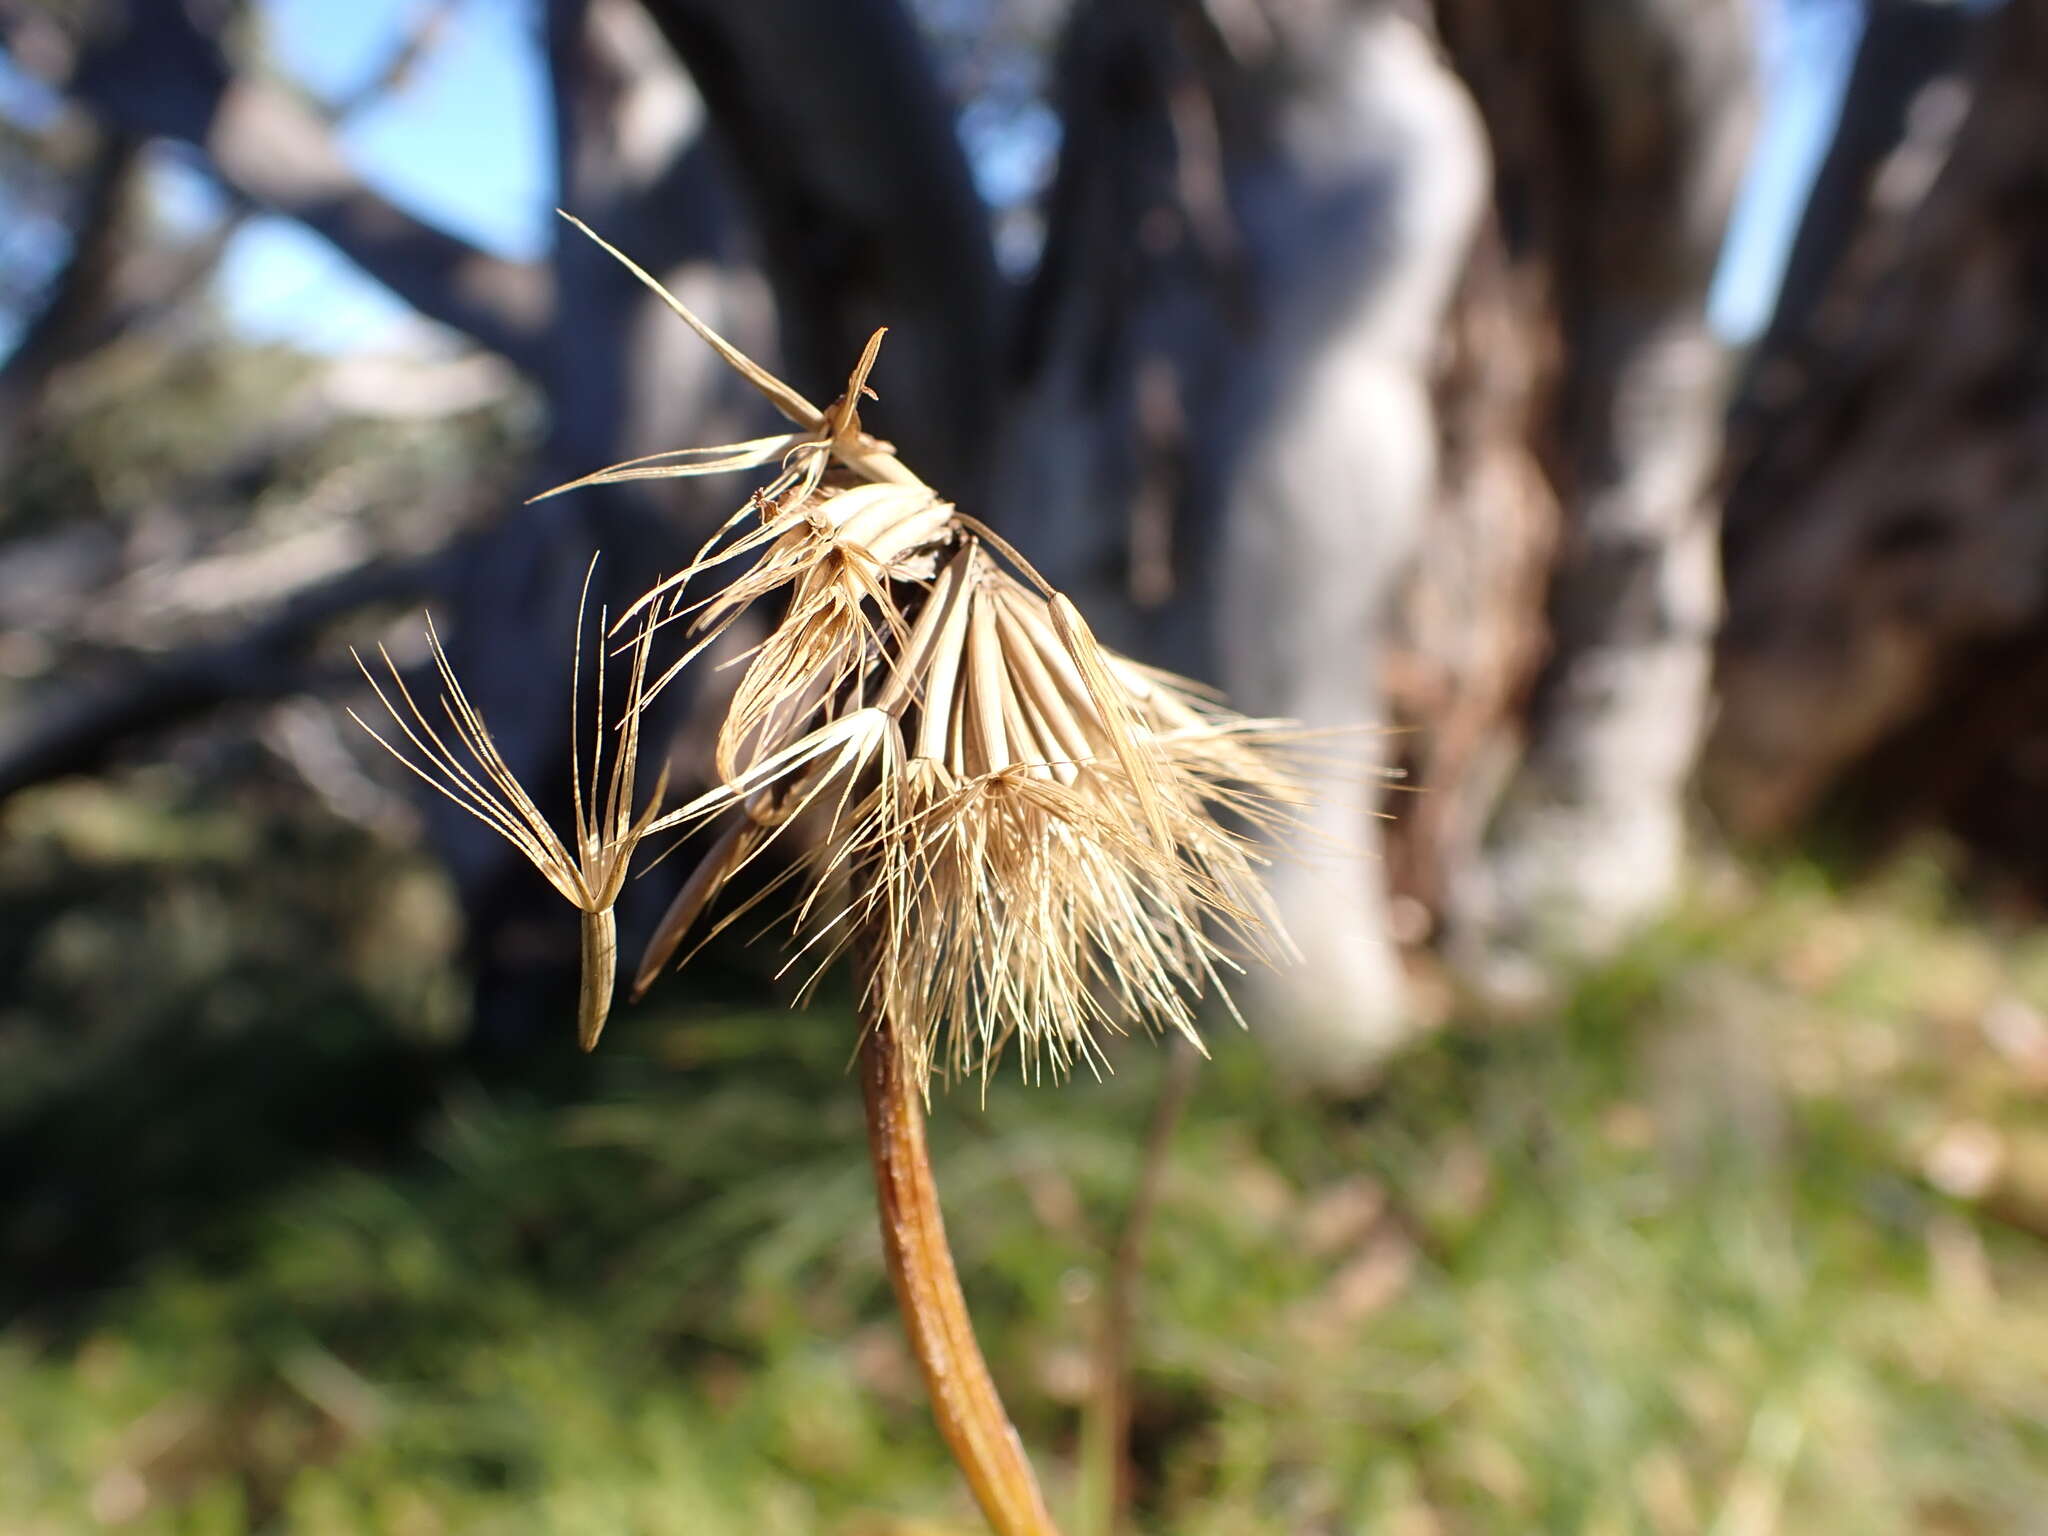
{"points": [[1888, 563]]}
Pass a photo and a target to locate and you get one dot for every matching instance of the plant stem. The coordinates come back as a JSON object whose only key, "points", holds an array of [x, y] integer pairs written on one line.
{"points": [[964, 1401]]}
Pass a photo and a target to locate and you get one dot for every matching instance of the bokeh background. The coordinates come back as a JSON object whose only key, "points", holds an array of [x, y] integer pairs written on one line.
{"points": [[1640, 408]]}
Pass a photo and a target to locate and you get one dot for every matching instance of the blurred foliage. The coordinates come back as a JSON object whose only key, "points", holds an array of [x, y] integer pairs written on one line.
{"points": [[142, 419], [177, 485], [207, 426], [1750, 1238]]}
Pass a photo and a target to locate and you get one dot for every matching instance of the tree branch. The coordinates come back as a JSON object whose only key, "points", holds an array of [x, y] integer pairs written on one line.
{"points": [[866, 212], [163, 77], [86, 729]]}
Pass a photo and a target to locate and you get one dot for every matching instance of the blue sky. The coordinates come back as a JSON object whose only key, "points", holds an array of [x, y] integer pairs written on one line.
{"points": [[1805, 48], [464, 144]]}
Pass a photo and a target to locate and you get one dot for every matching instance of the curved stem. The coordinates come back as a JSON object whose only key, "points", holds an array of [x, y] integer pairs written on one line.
{"points": [[964, 1401]]}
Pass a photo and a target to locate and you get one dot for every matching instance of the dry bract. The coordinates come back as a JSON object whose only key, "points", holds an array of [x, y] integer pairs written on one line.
{"points": [[1027, 834]]}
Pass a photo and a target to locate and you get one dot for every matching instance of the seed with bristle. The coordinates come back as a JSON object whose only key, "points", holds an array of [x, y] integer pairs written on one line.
{"points": [[470, 771]]}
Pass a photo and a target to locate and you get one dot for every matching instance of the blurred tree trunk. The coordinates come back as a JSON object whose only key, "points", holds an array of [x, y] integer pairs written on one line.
{"points": [[1222, 440], [1888, 559], [1620, 131]]}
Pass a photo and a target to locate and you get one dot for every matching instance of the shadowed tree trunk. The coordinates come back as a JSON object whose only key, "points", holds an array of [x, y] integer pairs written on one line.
{"points": [[841, 147], [1907, 47], [1888, 561]]}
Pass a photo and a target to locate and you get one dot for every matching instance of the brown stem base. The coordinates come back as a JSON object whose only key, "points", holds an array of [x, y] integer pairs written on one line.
{"points": [[964, 1401]]}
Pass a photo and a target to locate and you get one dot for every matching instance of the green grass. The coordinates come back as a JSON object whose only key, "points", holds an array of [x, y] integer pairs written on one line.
{"points": [[1667, 1262]]}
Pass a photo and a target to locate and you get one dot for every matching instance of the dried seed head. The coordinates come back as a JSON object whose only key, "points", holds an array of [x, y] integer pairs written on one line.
{"points": [[1033, 844], [1024, 834]]}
